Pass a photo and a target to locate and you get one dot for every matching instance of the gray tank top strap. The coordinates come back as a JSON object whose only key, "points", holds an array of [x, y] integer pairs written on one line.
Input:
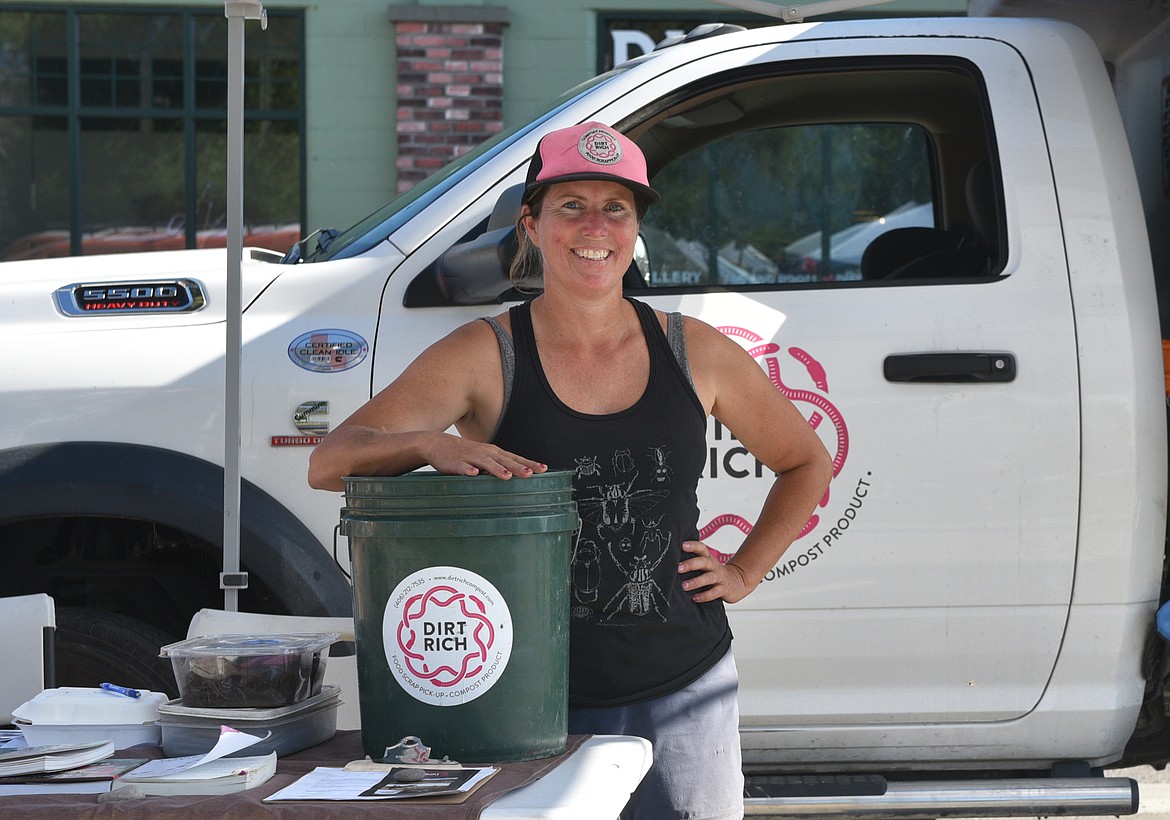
{"points": [[674, 333], [508, 357]]}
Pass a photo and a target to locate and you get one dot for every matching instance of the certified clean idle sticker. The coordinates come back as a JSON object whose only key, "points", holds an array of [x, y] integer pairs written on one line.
{"points": [[447, 634], [328, 351]]}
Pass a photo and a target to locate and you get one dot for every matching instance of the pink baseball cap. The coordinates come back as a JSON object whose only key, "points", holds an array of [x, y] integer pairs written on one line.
{"points": [[590, 150]]}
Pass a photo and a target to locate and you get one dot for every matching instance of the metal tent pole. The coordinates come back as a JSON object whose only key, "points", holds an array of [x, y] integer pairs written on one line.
{"points": [[232, 580]]}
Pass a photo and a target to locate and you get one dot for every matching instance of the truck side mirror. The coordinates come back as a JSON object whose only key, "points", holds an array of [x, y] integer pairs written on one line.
{"points": [[476, 272]]}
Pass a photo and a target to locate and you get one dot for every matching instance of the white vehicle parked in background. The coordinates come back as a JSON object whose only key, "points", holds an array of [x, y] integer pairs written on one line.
{"points": [[974, 596]]}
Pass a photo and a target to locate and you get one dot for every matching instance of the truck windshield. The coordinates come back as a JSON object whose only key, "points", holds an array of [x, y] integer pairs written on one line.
{"points": [[383, 222]]}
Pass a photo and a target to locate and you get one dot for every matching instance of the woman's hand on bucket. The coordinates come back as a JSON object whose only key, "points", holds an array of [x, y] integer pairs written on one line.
{"points": [[354, 449], [454, 455]]}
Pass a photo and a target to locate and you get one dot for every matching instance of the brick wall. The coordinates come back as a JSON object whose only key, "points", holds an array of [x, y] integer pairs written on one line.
{"points": [[450, 83]]}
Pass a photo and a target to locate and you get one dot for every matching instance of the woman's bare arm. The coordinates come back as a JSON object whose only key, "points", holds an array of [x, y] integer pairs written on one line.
{"points": [[735, 390], [456, 382]]}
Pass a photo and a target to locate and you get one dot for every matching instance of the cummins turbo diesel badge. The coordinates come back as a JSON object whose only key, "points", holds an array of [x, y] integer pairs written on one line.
{"points": [[311, 418], [105, 298]]}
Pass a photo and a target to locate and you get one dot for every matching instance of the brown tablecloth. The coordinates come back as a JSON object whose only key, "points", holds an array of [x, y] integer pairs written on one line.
{"points": [[337, 751]]}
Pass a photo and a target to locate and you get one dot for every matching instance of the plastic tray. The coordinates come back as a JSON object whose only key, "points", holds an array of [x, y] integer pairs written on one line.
{"points": [[175, 711], [187, 731]]}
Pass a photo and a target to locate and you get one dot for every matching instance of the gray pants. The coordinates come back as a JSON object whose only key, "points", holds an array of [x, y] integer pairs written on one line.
{"points": [[696, 773]]}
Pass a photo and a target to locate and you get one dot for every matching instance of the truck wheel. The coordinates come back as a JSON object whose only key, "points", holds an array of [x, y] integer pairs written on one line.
{"points": [[92, 646]]}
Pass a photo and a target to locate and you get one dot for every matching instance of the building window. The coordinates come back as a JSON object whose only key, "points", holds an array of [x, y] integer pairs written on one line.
{"points": [[113, 130]]}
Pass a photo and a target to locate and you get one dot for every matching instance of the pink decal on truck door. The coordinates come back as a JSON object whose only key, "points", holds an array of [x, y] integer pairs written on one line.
{"points": [[822, 408]]}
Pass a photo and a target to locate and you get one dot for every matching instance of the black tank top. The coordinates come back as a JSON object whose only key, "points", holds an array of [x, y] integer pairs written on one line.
{"points": [[634, 632]]}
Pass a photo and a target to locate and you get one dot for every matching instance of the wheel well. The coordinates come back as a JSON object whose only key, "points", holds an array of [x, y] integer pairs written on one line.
{"points": [[155, 573], [139, 531]]}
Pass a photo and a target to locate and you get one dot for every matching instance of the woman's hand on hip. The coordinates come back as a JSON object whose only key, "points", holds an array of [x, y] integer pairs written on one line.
{"points": [[715, 580]]}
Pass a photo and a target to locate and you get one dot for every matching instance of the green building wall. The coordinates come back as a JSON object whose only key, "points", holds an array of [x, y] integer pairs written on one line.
{"points": [[549, 45]]}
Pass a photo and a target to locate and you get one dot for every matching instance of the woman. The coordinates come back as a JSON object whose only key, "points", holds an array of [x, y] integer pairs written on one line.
{"points": [[593, 382]]}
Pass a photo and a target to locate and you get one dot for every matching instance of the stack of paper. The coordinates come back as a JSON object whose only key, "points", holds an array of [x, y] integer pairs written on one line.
{"points": [[212, 773], [229, 774], [92, 779], [385, 783], [40, 759]]}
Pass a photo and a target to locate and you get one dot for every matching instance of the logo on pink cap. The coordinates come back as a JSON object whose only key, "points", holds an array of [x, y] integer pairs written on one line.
{"points": [[600, 146], [591, 150]]}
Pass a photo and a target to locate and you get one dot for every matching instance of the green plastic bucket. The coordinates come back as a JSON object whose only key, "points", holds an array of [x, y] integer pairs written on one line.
{"points": [[458, 493], [461, 612], [436, 486], [362, 508]]}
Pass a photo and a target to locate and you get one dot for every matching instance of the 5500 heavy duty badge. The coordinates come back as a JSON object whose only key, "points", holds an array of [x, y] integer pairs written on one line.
{"points": [[164, 296]]}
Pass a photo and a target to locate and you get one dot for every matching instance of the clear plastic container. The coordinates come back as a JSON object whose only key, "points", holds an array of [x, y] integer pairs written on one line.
{"points": [[191, 731], [249, 671]]}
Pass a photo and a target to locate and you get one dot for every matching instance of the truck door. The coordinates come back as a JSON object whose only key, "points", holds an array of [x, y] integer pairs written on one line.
{"points": [[844, 220]]}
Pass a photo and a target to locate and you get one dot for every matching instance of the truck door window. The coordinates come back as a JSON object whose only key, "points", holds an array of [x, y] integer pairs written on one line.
{"points": [[787, 205], [856, 176]]}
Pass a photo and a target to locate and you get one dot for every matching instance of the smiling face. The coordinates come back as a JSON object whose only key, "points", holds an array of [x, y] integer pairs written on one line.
{"points": [[585, 231]]}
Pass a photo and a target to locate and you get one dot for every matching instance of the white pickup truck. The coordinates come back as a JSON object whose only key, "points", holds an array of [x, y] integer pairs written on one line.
{"points": [[929, 232]]}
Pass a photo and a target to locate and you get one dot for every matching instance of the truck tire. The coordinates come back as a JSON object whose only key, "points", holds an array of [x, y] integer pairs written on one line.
{"points": [[92, 646]]}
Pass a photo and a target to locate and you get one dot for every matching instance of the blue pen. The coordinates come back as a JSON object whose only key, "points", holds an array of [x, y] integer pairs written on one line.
{"points": [[121, 690]]}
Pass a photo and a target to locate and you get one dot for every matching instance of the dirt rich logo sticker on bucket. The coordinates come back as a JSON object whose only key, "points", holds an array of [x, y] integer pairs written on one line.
{"points": [[447, 634]]}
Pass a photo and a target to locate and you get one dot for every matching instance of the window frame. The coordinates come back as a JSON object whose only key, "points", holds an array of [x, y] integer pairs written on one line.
{"points": [[716, 86]]}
